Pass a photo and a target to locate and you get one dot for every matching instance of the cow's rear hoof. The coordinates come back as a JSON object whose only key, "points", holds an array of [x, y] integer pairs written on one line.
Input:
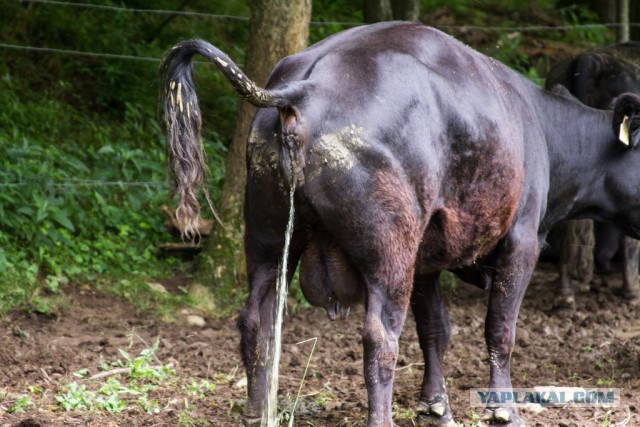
{"points": [[630, 296], [436, 413], [502, 417], [564, 304], [251, 421]]}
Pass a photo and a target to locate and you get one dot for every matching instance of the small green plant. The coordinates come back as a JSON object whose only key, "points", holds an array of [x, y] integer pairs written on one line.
{"points": [[20, 404], [186, 419], [150, 406], [402, 413], [77, 397], [586, 348], [606, 364], [142, 377], [200, 388], [141, 367], [476, 420]]}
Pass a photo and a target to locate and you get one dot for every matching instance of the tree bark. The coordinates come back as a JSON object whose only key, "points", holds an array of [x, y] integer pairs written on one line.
{"points": [[634, 17], [278, 28], [405, 10], [386, 10], [623, 13], [376, 11]]}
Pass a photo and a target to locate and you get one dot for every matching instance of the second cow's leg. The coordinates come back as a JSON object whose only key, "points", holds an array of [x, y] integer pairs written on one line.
{"points": [[631, 248], [575, 242]]}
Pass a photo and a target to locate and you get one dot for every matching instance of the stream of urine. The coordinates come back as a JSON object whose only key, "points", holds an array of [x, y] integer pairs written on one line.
{"points": [[270, 413]]}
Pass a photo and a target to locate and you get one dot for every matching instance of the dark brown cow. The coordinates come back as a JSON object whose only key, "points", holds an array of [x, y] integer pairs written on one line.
{"points": [[411, 154], [595, 77]]}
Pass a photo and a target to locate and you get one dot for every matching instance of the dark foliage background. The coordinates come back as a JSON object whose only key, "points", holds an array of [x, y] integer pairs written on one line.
{"points": [[82, 176]]}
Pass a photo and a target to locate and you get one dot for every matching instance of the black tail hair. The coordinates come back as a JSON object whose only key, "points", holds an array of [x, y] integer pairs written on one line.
{"points": [[183, 122]]}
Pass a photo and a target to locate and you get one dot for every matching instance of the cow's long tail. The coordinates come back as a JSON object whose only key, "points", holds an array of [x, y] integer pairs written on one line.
{"points": [[183, 122]]}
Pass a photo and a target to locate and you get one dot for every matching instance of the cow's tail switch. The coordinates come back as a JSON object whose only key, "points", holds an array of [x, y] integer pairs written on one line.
{"points": [[183, 121]]}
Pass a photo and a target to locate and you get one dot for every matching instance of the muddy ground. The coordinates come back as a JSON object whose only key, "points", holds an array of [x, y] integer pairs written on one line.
{"points": [[597, 345]]}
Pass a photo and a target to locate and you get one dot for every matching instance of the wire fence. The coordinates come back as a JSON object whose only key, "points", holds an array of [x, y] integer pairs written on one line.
{"points": [[79, 53], [195, 14], [316, 23], [108, 8], [170, 12], [88, 183]]}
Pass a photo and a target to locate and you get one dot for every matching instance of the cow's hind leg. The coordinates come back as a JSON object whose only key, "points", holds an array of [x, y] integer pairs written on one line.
{"points": [[388, 281], [256, 325], [434, 330], [519, 253], [383, 246], [256, 328], [380, 335]]}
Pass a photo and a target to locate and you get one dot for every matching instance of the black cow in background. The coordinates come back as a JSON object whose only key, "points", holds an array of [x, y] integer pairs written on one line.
{"points": [[411, 154], [595, 77]]}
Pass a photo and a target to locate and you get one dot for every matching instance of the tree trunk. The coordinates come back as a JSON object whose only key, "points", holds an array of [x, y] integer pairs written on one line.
{"points": [[620, 12], [405, 10], [634, 18], [376, 11], [278, 28], [386, 10], [623, 13]]}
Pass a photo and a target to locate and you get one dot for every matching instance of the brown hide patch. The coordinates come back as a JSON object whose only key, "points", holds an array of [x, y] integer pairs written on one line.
{"points": [[398, 228], [480, 193]]}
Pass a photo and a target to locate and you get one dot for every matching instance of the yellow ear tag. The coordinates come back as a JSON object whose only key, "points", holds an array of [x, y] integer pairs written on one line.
{"points": [[623, 136]]}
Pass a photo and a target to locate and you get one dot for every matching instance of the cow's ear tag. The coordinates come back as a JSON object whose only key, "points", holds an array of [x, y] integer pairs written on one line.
{"points": [[623, 136]]}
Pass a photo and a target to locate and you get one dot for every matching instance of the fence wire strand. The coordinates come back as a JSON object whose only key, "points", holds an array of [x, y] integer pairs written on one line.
{"points": [[318, 23], [463, 28], [89, 183]]}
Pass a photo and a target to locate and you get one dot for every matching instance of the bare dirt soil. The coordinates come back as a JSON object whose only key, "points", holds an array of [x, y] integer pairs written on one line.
{"points": [[596, 346]]}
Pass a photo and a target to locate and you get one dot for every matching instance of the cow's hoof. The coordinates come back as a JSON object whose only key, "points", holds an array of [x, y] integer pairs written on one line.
{"points": [[630, 296], [564, 304], [502, 417], [437, 413], [251, 421]]}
